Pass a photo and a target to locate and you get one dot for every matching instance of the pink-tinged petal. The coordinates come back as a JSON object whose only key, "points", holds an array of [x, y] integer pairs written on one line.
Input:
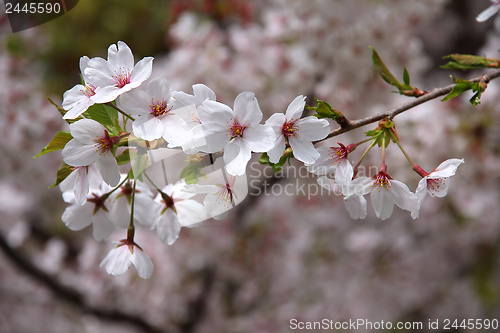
{"points": [[216, 207], [168, 227], [77, 217], [176, 132], [99, 73], [120, 212], [106, 94], [276, 121], [216, 136], [134, 102], [158, 89], [142, 263], [246, 109], [344, 172], [296, 107], [487, 13], [202, 93], [142, 71], [438, 187], [303, 151], [117, 262], [402, 196], [312, 128], [121, 56], [102, 227], [148, 127], [86, 130], [237, 153], [359, 186], [260, 138], [277, 151], [382, 202], [81, 187], [73, 96], [107, 166], [356, 206], [212, 111], [420, 193], [446, 169], [190, 212], [77, 154], [181, 99], [324, 164], [78, 109], [84, 63]]}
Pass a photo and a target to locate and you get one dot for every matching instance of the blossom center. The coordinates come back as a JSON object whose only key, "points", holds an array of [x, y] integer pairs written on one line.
{"points": [[433, 185], [225, 196], [159, 107], [382, 181], [104, 143], [338, 153], [290, 129], [237, 129], [122, 77], [89, 90]]}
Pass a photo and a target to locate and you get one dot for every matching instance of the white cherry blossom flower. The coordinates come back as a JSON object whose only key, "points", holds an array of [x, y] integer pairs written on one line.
{"points": [[355, 204], [79, 98], [181, 99], [118, 74], [489, 12], [126, 254], [334, 159], [94, 211], [437, 182], [91, 143], [155, 117], [238, 132], [176, 209], [298, 132], [385, 192]]}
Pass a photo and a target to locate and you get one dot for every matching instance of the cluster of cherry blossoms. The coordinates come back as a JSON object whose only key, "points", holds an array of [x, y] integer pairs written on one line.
{"points": [[188, 156]]}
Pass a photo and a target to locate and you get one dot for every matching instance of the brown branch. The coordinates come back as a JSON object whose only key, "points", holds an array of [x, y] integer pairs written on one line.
{"points": [[391, 113], [70, 295]]}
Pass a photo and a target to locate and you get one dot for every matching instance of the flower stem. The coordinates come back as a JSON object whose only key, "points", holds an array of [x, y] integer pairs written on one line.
{"points": [[362, 157], [117, 187], [118, 109], [152, 183], [402, 149], [131, 228]]}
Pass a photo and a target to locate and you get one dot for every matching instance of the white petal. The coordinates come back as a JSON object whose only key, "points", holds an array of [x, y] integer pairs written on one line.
{"points": [[324, 164], [168, 227], [142, 71], [134, 102], [312, 128], [402, 196], [81, 187], [78, 154], [260, 138], [382, 202], [344, 172], [117, 261], [330, 185], [107, 166], [202, 92], [246, 109], [86, 130], [102, 227], [303, 151], [296, 107], [237, 153], [120, 56], [216, 136], [99, 73], [212, 111], [359, 186], [148, 127], [107, 94], [158, 88], [420, 194], [356, 206], [277, 151], [142, 263], [120, 212], [487, 13], [77, 217], [176, 132], [438, 187], [446, 169], [190, 212], [276, 121]]}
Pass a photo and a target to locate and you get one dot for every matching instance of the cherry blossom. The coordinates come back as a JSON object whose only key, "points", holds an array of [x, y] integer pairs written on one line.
{"points": [[238, 132], [334, 159], [176, 209], [155, 115], [79, 98], [126, 254], [92, 143], [77, 185], [117, 74], [489, 12], [385, 192], [298, 132], [437, 182], [355, 204]]}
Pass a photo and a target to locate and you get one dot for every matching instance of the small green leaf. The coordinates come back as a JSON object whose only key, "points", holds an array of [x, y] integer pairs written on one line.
{"points": [[462, 85], [63, 172], [105, 115], [123, 158], [467, 61], [58, 142], [406, 76]]}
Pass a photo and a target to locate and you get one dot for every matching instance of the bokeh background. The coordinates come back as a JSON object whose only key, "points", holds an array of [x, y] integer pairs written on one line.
{"points": [[275, 257]]}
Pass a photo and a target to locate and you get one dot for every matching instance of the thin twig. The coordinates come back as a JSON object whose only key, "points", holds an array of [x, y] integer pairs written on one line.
{"points": [[391, 113]]}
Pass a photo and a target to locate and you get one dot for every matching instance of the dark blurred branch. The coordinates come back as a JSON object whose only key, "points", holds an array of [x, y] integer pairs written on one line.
{"points": [[433, 94], [70, 295]]}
